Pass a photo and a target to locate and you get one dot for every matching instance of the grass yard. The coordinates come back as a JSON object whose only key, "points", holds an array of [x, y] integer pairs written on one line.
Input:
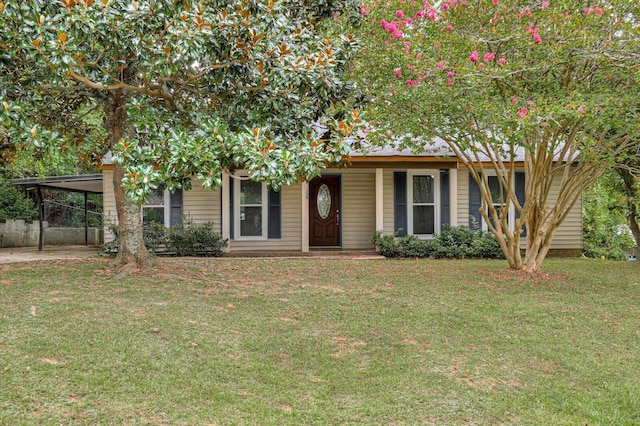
{"points": [[320, 342]]}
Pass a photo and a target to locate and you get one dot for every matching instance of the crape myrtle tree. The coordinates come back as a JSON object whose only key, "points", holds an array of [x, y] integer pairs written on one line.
{"points": [[553, 83], [628, 171], [183, 88]]}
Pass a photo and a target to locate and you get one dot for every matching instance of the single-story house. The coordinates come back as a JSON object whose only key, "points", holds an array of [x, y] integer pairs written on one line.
{"points": [[388, 189]]}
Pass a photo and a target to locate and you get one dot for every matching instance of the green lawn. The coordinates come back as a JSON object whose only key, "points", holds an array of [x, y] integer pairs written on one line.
{"points": [[320, 341]]}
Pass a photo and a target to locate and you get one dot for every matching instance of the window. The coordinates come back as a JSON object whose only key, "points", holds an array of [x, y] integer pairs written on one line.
{"points": [[423, 208], [163, 207], [498, 199], [156, 209], [250, 212]]}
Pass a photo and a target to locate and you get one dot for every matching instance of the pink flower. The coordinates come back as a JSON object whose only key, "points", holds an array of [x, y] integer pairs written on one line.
{"points": [[489, 56], [529, 102], [597, 11], [474, 56], [545, 4], [412, 83], [450, 74], [421, 75], [537, 39], [495, 2], [450, 83], [445, 7], [419, 55], [398, 72], [523, 112], [514, 100], [449, 27], [501, 62], [399, 14], [581, 108], [440, 65], [436, 46], [364, 10]]}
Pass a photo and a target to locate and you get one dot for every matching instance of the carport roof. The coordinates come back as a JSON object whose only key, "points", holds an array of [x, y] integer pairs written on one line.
{"points": [[73, 183]]}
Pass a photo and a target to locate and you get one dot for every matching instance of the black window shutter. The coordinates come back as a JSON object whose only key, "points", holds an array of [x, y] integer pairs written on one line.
{"points": [[520, 194], [445, 199], [475, 203], [274, 214], [175, 206], [400, 203]]}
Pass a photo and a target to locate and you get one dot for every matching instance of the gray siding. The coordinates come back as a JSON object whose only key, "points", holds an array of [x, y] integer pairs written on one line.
{"points": [[291, 216], [358, 209], [203, 205], [109, 204]]}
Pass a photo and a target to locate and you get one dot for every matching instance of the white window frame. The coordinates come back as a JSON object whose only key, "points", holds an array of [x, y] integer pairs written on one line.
{"points": [[511, 214], [435, 174], [237, 207], [166, 205]]}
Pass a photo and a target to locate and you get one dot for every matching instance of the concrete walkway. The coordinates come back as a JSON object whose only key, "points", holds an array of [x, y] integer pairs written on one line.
{"points": [[28, 254]]}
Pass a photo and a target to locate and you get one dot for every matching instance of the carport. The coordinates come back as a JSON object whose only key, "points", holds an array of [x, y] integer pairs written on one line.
{"points": [[84, 184]]}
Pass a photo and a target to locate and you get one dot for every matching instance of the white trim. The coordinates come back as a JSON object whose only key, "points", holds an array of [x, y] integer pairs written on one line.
{"points": [[236, 212], [166, 205], [379, 199], [435, 174], [226, 206]]}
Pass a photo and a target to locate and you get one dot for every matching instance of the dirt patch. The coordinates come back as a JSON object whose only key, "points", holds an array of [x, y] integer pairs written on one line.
{"points": [[518, 276]]}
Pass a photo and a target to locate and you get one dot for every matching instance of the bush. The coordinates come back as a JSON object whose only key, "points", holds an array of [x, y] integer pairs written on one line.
{"points": [[188, 239], [453, 243], [14, 204], [191, 239]]}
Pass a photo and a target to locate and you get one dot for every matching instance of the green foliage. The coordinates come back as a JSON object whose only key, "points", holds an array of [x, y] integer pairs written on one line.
{"points": [[453, 243], [193, 239], [187, 239], [604, 227], [194, 88], [501, 83], [14, 204]]}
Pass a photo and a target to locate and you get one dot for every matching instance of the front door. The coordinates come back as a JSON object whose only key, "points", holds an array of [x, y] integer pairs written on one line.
{"points": [[324, 211]]}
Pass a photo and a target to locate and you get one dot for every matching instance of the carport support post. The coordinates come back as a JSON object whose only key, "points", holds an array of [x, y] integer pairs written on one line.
{"points": [[86, 219], [40, 217]]}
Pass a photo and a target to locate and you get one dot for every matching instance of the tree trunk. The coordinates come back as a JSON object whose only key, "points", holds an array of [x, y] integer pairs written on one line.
{"points": [[131, 248], [632, 208]]}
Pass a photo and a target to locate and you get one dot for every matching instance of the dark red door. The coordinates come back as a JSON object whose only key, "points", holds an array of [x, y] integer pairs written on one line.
{"points": [[324, 211]]}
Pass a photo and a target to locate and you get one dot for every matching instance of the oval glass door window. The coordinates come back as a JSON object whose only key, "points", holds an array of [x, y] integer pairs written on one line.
{"points": [[324, 201]]}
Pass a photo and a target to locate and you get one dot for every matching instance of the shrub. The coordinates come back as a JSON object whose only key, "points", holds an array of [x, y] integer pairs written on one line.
{"points": [[191, 239], [188, 239], [385, 243], [453, 243], [14, 204]]}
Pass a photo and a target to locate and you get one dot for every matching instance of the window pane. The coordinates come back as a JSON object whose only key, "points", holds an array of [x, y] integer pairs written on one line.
{"points": [[250, 192], [494, 188], [423, 189], [153, 214], [251, 221], [156, 198], [423, 220]]}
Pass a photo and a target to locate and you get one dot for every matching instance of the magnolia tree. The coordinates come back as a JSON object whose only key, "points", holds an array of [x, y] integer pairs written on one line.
{"points": [[183, 89], [546, 86]]}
